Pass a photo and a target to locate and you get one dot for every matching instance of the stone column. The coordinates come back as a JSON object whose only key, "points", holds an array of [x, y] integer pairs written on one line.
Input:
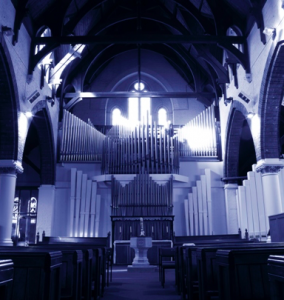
{"points": [[45, 211], [8, 176], [269, 169], [231, 208]]}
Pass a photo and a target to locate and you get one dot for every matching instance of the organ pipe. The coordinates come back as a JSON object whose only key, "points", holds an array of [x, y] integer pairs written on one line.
{"points": [[142, 197], [198, 137], [80, 140], [145, 147]]}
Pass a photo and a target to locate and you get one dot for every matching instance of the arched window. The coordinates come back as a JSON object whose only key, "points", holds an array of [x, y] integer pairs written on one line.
{"points": [[116, 116], [162, 117], [138, 108]]}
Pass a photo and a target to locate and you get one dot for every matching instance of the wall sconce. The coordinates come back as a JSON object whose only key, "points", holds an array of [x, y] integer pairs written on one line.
{"points": [[250, 115], [271, 32], [50, 100], [228, 100], [7, 30], [28, 114]]}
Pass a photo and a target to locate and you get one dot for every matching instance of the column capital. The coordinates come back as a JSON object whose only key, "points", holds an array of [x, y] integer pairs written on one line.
{"points": [[10, 167], [269, 166]]}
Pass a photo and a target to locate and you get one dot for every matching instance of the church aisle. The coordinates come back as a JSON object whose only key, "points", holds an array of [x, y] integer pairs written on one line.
{"points": [[137, 286]]}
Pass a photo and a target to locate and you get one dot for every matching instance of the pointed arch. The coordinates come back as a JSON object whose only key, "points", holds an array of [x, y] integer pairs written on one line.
{"points": [[9, 107]]}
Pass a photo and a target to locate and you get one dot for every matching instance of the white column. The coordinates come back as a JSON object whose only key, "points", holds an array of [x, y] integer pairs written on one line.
{"points": [[200, 207], [269, 169], [186, 216], [205, 209], [243, 209], [98, 215], [72, 201], [83, 205], [191, 218], [88, 208], [45, 211], [93, 208], [195, 210], [78, 202], [231, 207], [8, 176]]}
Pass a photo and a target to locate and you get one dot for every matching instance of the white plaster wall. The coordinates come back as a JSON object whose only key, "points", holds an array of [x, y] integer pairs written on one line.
{"points": [[155, 71], [20, 60], [258, 52], [61, 209]]}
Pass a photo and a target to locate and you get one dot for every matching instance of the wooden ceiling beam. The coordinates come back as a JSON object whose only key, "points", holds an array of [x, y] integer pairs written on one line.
{"points": [[139, 95], [139, 38]]}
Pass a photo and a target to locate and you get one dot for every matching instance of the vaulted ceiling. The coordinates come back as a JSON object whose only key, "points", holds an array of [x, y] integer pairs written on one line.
{"points": [[192, 35]]}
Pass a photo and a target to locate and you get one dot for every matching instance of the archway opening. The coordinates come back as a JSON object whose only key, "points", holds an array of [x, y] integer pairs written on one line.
{"points": [[247, 156]]}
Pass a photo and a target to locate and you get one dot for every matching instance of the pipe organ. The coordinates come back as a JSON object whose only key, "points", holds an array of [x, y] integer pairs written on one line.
{"points": [[250, 206], [84, 206], [142, 197], [80, 141], [127, 149], [141, 150], [199, 136], [146, 146]]}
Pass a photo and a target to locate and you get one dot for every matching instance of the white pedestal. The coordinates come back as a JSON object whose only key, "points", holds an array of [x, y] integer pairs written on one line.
{"points": [[140, 261]]}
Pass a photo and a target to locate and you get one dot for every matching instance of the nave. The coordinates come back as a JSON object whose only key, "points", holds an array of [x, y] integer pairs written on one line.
{"points": [[140, 285]]}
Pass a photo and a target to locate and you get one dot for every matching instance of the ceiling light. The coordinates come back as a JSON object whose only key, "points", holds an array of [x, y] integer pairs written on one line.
{"points": [[250, 115], [28, 114]]}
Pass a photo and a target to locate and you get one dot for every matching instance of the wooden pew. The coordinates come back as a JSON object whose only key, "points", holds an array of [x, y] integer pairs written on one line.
{"points": [[180, 240], [276, 276], [98, 242], [243, 273], [36, 273], [71, 270], [98, 269], [165, 252], [90, 267], [6, 279], [207, 265], [184, 259]]}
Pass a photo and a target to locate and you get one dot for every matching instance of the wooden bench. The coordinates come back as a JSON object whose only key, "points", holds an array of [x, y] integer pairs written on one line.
{"points": [[98, 242], [243, 273], [166, 264], [180, 240], [98, 268], [90, 266], [184, 262], [71, 270], [188, 274], [276, 276], [6, 279], [36, 273]]}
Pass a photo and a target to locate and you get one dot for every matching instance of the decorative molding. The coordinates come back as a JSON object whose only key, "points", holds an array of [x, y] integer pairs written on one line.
{"points": [[269, 166], [8, 170], [11, 167], [266, 169]]}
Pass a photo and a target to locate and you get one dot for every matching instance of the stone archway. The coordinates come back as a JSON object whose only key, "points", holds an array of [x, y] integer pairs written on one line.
{"points": [[236, 119], [271, 95], [46, 143], [9, 108]]}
